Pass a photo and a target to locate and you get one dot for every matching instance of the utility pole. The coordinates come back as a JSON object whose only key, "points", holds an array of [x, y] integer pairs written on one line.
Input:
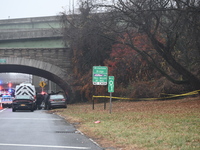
{"points": [[73, 6], [69, 6]]}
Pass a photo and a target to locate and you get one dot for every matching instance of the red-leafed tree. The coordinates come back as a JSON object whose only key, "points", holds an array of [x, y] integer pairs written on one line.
{"points": [[167, 38], [127, 66], [176, 21]]}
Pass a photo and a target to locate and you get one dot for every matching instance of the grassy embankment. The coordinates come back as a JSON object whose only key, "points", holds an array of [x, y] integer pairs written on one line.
{"points": [[145, 125]]}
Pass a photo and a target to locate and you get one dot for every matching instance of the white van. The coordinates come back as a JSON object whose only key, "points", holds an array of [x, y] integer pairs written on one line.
{"points": [[25, 89]]}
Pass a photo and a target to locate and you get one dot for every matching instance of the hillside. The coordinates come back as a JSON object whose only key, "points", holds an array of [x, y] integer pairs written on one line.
{"points": [[139, 125]]}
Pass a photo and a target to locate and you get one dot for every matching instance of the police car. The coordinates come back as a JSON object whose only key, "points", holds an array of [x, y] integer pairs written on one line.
{"points": [[6, 100]]}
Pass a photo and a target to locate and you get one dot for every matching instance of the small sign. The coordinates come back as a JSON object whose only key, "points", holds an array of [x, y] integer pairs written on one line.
{"points": [[42, 84], [111, 84], [100, 75], [2, 61]]}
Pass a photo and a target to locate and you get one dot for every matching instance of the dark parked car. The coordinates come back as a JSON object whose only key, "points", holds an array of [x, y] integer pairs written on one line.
{"points": [[55, 101], [23, 102]]}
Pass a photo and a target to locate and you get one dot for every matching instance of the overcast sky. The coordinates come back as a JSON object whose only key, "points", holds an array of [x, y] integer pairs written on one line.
{"points": [[34, 8]]}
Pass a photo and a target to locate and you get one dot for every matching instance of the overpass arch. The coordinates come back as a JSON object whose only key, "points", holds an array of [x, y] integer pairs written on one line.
{"points": [[38, 68], [35, 46]]}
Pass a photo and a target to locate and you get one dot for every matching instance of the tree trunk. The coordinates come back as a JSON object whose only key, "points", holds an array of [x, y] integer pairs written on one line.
{"points": [[193, 81]]}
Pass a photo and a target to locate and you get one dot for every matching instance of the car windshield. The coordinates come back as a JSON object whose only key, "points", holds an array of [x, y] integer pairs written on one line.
{"points": [[56, 96]]}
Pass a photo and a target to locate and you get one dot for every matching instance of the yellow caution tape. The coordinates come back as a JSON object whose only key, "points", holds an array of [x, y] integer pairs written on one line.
{"points": [[146, 99]]}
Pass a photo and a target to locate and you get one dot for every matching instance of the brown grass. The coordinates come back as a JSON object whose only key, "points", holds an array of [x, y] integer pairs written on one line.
{"points": [[159, 125]]}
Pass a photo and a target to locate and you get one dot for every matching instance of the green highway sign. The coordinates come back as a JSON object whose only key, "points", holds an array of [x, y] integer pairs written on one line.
{"points": [[100, 75], [111, 84]]}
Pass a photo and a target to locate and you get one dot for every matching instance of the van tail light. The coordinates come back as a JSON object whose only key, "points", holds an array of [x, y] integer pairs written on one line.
{"points": [[63, 99], [51, 100]]}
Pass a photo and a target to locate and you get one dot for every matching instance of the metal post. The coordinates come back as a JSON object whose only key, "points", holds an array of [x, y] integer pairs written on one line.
{"points": [[93, 94], [92, 103], [110, 102]]}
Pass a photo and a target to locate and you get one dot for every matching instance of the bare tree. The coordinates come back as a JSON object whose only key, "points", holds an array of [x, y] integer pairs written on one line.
{"points": [[175, 21], [86, 38]]}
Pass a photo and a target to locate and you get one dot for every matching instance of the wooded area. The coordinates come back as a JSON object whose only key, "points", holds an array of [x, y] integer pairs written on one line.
{"points": [[150, 46]]}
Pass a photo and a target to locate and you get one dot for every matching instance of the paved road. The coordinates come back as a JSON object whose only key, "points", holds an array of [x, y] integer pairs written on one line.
{"points": [[39, 130]]}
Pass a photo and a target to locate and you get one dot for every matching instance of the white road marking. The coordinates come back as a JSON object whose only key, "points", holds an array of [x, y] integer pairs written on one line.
{"points": [[30, 119], [2, 110], [45, 146]]}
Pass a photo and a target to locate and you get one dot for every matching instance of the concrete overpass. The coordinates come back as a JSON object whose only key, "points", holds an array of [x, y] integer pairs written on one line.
{"points": [[35, 46]]}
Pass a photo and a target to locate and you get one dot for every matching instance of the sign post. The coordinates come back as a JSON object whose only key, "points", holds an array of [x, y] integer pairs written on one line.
{"points": [[111, 89]]}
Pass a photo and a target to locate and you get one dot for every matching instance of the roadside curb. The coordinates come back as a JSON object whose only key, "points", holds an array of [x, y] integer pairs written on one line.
{"points": [[89, 138], [79, 132]]}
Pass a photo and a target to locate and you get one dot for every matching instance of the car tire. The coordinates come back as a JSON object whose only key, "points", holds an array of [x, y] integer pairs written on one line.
{"points": [[13, 110], [35, 107]]}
